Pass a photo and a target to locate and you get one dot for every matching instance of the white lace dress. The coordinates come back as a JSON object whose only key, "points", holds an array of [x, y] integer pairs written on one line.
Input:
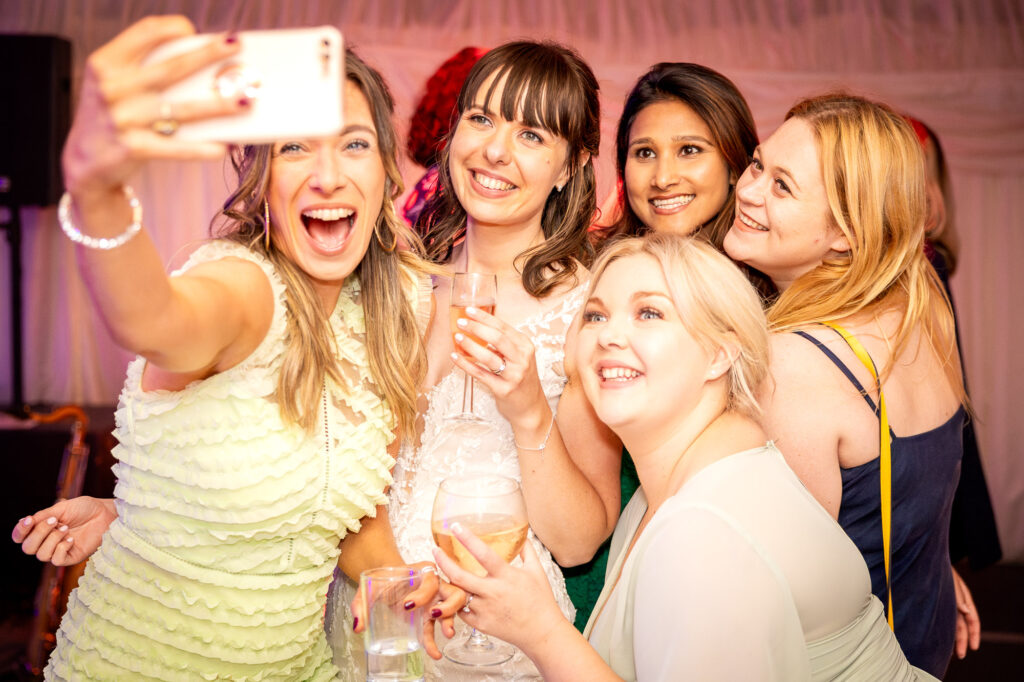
{"points": [[445, 450]]}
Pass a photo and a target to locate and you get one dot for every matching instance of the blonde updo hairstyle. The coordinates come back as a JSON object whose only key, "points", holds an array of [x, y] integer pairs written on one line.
{"points": [[717, 304]]}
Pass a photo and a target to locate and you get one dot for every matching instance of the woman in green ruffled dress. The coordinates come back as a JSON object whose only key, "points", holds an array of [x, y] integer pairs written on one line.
{"points": [[254, 424]]}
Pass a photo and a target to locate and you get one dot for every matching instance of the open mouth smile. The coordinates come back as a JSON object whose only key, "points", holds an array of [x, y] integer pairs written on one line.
{"points": [[618, 374], [672, 203], [750, 223], [329, 228], [492, 183]]}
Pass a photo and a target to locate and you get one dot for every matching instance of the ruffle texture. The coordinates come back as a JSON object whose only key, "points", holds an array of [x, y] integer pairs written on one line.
{"points": [[229, 520]]}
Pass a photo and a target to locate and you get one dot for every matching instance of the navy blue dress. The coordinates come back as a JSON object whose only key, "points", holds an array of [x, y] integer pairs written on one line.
{"points": [[925, 472]]}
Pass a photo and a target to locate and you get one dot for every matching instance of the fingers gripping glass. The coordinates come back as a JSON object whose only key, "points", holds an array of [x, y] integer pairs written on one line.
{"points": [[492, 507], [479, 290]]}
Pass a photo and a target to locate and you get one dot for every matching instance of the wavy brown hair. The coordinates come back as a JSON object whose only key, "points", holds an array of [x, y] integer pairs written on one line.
{"points": [[873, 168], [545, 86], [394, 343]]}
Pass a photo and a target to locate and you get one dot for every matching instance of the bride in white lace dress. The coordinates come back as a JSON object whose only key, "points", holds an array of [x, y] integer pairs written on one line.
{"points": [[516, 198]]}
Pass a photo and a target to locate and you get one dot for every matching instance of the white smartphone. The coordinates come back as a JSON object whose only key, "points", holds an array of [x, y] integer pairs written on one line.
{"points": [[292, 77]]}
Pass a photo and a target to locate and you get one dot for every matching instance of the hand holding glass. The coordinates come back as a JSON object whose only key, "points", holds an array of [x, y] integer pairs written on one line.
{"points": [[394, 635], [478, 290], [492, 507]]}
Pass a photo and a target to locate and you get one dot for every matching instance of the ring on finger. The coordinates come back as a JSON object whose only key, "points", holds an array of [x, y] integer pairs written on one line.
{"points": [[500, 369], [165, 124], [469, 600]]}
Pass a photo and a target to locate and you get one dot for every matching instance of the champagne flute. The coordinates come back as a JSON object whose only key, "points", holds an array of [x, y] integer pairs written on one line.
{"points": [[492, 507], [479, 290]]}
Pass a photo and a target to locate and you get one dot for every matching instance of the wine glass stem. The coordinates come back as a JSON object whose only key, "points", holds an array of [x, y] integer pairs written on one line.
{"points": [[478, 640], [467, 393]]}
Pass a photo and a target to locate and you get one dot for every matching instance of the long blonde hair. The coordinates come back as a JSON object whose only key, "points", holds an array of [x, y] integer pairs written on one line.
{"points": [[396, 353], [873, 169], [715, 301]]}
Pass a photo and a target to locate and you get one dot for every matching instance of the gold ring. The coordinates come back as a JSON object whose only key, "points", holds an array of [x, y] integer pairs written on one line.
{"points": [[166, 124]]}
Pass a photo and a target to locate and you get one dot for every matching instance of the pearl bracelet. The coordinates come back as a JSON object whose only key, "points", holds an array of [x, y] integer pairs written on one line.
{"points": [[544, 444], [102, 243]]}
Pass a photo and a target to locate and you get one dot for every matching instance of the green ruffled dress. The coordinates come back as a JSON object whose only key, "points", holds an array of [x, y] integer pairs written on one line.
{"points": [[229, 519]]}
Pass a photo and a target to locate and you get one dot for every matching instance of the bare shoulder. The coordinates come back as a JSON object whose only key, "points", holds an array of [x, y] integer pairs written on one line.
{"points": [[804, 389]]}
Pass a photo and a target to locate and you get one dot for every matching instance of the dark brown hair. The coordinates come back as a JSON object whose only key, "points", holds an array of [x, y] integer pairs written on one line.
{"points": [[719, 104], [546, 86]]}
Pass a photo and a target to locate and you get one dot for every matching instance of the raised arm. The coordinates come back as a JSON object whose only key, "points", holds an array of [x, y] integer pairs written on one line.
{"points": [[200, 323], [570, 463]]}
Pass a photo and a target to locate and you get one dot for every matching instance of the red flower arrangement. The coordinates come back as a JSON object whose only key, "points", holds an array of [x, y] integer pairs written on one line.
{"points": [[433, 116]]}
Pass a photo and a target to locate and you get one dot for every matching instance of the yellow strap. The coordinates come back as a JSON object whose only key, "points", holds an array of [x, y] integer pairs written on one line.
{"points": [[885, 457]]}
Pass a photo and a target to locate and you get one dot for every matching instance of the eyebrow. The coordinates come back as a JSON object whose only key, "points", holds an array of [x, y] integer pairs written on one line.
{"points": [[781, 169], [648, 294], [677, 138], [635, 296], [356, 127], [480, 107]]}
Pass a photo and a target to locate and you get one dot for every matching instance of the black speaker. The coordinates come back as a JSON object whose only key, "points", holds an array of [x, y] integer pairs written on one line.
{"points": [[35, 114]]}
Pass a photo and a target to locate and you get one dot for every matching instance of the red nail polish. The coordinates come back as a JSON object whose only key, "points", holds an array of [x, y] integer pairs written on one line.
{"points": [[231, 38], [435, 613], [355, 622], [244, 102], [409, 605]]}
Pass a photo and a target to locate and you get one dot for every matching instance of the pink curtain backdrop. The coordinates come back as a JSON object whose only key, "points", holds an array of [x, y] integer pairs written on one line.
{"points": [[957, 65]]}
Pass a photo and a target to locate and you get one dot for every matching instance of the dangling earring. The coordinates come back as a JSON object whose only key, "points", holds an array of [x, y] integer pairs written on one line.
{"points": [[266, 225]]}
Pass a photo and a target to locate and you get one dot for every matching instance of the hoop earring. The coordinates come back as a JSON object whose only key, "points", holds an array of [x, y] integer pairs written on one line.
{"points": [[266, 225], [394, 239]]}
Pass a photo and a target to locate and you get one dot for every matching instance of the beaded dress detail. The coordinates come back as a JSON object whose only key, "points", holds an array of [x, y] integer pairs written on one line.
{"points": [[447, 449], [229, 519]]}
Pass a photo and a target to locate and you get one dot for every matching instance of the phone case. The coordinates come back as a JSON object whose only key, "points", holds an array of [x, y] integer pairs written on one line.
{"points": [[292, 77]]}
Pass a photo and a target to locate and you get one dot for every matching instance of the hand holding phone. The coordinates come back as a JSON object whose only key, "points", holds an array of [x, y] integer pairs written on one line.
{"points": [[292, 80]]}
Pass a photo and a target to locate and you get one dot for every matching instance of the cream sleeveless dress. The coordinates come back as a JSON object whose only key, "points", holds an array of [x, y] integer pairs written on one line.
{"points": [[742, 575], [229, 519], [445, 450]]}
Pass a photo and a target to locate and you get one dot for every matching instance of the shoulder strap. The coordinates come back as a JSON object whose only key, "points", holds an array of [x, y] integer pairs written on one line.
{"points": [[884, 459], [842, 367]]}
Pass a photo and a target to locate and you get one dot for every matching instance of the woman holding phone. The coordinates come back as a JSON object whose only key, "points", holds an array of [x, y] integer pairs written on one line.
{"points": [[253, 427]]}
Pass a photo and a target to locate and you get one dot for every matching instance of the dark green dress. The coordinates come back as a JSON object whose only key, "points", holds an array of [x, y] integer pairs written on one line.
{"points": [[584, 582]]}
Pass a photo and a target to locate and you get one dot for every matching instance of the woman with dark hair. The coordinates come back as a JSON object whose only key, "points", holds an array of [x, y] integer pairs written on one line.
{"points": [[684, 137], [517, 197], [272, 371]]}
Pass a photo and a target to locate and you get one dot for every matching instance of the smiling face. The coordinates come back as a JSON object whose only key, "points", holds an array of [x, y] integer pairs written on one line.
{"points": [[783, 224], [676, 178], [638, 363], [325, 197], [503, 171]]}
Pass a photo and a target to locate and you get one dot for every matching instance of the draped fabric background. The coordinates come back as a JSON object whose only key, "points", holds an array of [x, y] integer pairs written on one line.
{"points": [[958, 65]]}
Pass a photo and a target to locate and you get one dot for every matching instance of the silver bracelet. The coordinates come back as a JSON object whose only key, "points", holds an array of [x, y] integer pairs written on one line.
{"points": [[102, 243], [546, 437]]}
